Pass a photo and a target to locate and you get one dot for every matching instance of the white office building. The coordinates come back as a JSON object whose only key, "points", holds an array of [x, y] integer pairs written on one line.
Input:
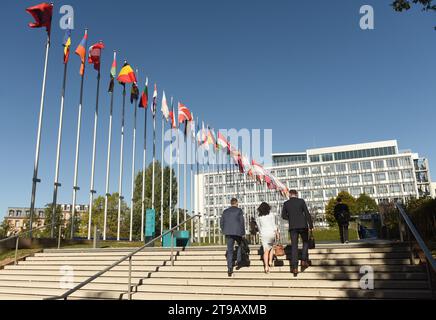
{"points": [[378, 169]]}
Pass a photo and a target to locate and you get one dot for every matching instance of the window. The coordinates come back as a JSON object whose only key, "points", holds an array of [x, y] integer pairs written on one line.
{"points": [[331, 193], [368, 178], [281, 173], [305, 183], [342, 180], [409, 187], [316, 170], [356, 192], [354, 166], [19, 213], [379, 164], [210, 179], [304, 171], [292, 172], [405, 162], [382, 189], [306, 195], [368, 190], [407, 174], [11, 213], [394, 176], [293, 184], [330, 181], [314, 158], [316, 183], [329, 169], [341, 167], [395, 188], [355, 179], [366, 165], [392, 163], [318, 194], [327, 157], [380, 176]]}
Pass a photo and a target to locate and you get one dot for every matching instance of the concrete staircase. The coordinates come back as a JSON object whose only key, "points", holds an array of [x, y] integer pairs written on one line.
{"points": [[200, 273]]}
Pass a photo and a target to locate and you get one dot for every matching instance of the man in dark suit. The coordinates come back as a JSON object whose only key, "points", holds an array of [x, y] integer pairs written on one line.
{"points": [[300, 222], [233, 227], [342, 216]]}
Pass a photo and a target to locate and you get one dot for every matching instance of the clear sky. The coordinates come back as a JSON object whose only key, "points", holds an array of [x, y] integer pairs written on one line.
{"points": [[302, 68]]}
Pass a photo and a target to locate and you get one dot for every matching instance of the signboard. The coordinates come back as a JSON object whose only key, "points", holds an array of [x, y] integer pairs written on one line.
{"points": [[150, 223]]}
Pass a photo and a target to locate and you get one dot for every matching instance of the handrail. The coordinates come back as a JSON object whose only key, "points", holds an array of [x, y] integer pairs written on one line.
{"points": [[418, 237], [428, 255], [18, 235], [25, 232], [128, 256]]}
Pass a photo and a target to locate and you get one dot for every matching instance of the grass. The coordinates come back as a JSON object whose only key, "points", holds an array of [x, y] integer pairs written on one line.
{"points": [[332, 234], [10, 255]]}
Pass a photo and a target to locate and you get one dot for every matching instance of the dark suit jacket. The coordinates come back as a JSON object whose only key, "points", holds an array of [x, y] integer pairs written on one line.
{"points": [[296, 212], [233, 222]]}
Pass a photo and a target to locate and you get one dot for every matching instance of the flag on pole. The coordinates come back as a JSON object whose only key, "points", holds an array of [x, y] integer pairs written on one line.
{"points": [[144, 97], [127, 75], [134, 93], [81, 52], [154, 106], [94, 55], [67, 44], [165, 109], [192, 127], [222, 142], [173, 119], [42, 14], [113, 73], [184, 114]]}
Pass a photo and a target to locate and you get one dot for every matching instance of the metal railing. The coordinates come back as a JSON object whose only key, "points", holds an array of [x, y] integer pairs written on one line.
{"points": [[411, 229], [127, 257], [20, 234]]}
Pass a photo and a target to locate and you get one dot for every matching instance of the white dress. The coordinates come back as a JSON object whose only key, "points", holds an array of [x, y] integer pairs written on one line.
{"points": [[267, 229]]}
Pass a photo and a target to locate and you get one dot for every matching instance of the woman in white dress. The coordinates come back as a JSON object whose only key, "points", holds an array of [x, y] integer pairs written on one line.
{"points": [[268, 233]]}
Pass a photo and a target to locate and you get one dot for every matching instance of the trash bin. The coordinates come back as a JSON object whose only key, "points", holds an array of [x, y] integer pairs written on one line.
{"points": [[181, 239]]}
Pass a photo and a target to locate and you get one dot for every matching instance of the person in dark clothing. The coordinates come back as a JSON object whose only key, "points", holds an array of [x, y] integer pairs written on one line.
{"points": [[300, 222], [233, 227], [342, 216]]}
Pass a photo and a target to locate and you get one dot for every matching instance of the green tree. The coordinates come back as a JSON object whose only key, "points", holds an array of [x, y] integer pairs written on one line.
{"points": [[48, 214], [366, 204], [404, 5], [347, 198], [5, 227], [112, 218], [137, 198]]}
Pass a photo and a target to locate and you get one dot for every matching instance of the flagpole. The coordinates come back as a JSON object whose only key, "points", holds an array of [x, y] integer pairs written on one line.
{"points": [[58, 152], [108, 163], [171, 170], [92, 191], [192, 147], [133, 167], [184, 177], [35, 179], [208, 186], [162, 181], [120, 182], [178, 178], [154, 165], [197, 185], [144, 164], [76, 164]]}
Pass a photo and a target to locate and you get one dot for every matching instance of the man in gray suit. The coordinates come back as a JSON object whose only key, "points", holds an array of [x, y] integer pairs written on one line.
{"points": [[233, 227]]}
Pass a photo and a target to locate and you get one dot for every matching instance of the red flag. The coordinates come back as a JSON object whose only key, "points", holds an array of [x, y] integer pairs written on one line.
{"points": [[184, 113], [94, 55], [173, 119], [42, 13]]}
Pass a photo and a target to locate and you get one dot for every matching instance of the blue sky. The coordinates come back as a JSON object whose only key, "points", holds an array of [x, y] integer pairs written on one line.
{"points": [[304, 69]]}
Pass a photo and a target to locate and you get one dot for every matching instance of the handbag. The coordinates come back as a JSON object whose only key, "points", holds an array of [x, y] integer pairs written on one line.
{"points": [[279, 250], [312, 244]]}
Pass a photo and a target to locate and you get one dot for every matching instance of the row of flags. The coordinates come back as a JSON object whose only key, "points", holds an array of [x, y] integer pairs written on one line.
{"points": [[205, 137]]}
